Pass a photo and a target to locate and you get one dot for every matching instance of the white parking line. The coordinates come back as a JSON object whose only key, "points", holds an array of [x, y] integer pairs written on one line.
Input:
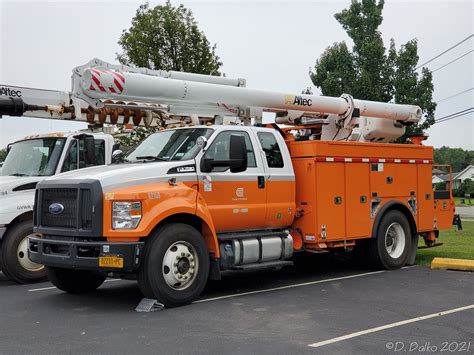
{"points": [[288, 286], [388, 326], [53, 287]]}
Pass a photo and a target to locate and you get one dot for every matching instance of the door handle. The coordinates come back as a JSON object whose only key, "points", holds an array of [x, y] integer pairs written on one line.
{"points": [[261, 182]]}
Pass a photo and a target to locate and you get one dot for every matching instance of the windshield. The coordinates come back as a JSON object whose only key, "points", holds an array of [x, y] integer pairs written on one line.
{"points": [[34, 157], [179, 144]]}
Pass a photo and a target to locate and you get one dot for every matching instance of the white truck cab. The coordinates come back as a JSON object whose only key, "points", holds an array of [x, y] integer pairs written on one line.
{"points": [[29, 161]]}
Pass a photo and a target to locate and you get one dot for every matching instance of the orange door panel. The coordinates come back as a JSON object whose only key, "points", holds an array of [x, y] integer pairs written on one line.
{"points": [[393, 180], [357, 204], [330, 200], [280, 203], [425, 199], [235, 205], [444, 213]]}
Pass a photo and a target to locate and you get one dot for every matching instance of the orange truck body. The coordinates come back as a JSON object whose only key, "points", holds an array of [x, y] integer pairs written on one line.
{"points": [[321, 196], [339, 190], [343, 186]]}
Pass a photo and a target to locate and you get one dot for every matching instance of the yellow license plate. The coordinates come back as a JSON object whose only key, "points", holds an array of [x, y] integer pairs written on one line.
{"points": [[111, 261]]}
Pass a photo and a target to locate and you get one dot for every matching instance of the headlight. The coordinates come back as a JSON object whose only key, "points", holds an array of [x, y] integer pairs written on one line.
{"points": [[126, 215]]}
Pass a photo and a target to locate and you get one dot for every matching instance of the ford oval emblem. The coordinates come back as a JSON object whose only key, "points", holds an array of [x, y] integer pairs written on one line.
{"points": [[56, 208]]}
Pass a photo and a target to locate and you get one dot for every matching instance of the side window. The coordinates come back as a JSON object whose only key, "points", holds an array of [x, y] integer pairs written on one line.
{"points": [[219, 149], [271, 148], [99, 152], [70, 162]]}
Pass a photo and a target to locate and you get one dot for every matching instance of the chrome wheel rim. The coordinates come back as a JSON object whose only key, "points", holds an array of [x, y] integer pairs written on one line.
{"points": [[395, 240], [24, 260], [180, 265]]}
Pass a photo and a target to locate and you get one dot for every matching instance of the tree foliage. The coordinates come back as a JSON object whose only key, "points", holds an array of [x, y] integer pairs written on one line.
{"points": [[458, 158], [466, 188], [3, 154], [370, 71], [165, 38], [127, 140], [168, 38]]}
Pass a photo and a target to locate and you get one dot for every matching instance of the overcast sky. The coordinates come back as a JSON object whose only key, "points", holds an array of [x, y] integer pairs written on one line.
{"points": [[270, 43]]}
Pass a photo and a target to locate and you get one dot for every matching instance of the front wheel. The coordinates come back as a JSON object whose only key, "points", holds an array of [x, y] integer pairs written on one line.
{"points": [[74, 281], [391, 248], [14, 255], [175, 266]]}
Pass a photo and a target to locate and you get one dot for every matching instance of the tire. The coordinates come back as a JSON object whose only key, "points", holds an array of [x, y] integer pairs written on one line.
{"points": [[174, 251], [391, 247], [15, 263], [74, 281]]}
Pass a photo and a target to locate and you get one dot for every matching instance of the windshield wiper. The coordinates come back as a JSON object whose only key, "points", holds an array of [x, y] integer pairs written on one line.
{"points": [[18, 174], [151, 157]]}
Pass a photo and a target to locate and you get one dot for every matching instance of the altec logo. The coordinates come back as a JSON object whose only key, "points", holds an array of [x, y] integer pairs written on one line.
{"points": [[297, 100], [10, 92]]}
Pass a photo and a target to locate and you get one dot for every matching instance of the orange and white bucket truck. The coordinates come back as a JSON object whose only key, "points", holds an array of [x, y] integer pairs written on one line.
{"points": [[190, 202]]}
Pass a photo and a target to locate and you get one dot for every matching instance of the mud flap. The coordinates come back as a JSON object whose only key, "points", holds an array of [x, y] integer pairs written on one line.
{"points": [[414, 248]]}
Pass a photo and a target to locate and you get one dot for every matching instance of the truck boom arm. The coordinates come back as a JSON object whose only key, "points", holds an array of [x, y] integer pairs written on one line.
{"points": [[107, 93], [97, 81]]}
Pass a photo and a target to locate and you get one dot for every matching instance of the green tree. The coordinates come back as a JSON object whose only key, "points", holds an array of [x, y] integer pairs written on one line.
{"points": [[371, 72], [165, 38], [458, 158], [3, 154], [466, 188], [168, 38]]}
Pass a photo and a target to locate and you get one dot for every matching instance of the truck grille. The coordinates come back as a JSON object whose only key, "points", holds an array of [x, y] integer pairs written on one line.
{"points": [[76, 207]]}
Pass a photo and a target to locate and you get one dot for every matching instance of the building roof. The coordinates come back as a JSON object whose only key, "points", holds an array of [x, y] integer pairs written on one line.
{"points": [[460, 174], [438, 172]]}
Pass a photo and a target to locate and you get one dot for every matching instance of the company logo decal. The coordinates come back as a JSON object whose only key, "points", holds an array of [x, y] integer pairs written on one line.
{"points": [[239, 194], [297, 100], [186, 169], [56, 208], [10, 92]]}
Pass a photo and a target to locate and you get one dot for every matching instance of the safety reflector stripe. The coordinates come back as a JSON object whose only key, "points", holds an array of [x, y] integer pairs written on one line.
{"points": [[118, 81], [372, 160]]}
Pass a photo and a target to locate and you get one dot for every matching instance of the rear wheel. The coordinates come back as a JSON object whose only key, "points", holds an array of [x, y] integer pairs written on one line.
{"points": [[74, 281], [15, 263], [391, 248], [175, 266]]}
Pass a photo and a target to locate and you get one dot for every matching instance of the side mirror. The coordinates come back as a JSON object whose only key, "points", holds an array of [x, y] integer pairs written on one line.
{"points": [[237, 154], [237, 161], [117, 156]]}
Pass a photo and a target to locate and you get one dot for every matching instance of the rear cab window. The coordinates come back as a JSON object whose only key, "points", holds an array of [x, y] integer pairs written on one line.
{"points": [[272, 150]]}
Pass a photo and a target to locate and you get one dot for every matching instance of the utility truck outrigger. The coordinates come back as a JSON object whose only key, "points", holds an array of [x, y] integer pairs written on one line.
{"points": [[194, 201]]}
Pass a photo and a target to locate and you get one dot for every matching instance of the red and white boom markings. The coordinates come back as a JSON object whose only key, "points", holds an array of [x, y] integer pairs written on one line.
{"points": [[106, 80]]}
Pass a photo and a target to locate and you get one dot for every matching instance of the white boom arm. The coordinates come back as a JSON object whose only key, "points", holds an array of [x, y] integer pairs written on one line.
{"points": [[107, 93], [98, 81]]}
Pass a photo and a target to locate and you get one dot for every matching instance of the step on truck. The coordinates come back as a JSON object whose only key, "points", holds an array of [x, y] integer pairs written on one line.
{"points": [[192, 202]]}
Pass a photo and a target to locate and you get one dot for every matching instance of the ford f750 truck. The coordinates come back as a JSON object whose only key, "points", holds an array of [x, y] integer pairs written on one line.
{"points": [[191, 202]]}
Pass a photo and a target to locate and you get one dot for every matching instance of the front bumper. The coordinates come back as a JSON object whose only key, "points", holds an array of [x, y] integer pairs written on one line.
{"points": [[83, 255]]}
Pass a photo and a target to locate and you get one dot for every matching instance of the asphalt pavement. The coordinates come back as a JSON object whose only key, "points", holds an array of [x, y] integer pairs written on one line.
{"points": [[324, 304]]}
